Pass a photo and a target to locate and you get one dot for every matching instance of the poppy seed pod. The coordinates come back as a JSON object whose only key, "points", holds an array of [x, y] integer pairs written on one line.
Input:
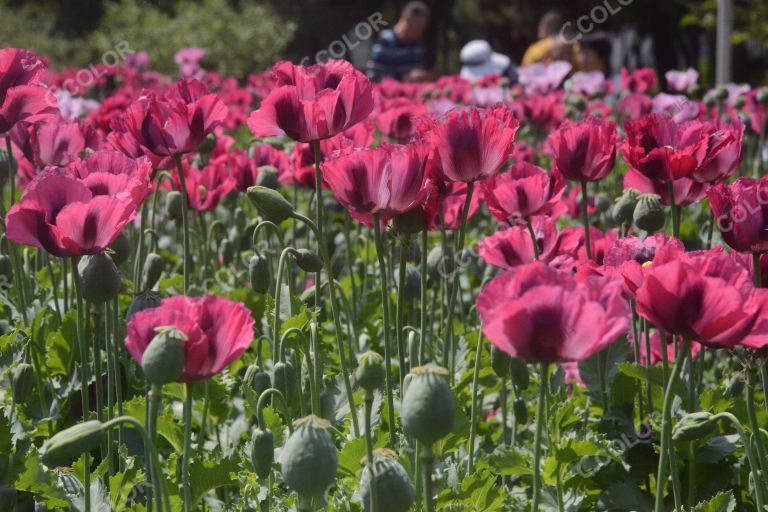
{"points": [[173, 205], [256, 379], [22, 382], [270, 203], [141, 302], [69, 444], [121, 249], [258, 272], [262, 452], [428, 408], [99, 278], [602, 203], [268, 177], [391, 481], [308, 261], [308, 458], [153, 268], [693, 426], [208, 144], [649, 214], [370, 372], [624, 208], [500, 362], [163, 360]]}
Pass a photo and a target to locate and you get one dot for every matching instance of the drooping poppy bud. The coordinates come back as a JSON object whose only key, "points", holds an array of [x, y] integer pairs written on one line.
{"points": [[262, 451], [270, 203], [69, 444]]}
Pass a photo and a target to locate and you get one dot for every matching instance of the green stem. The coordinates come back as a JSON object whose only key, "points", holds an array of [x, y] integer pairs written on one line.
{"points": [[534, 241], [759, 483], [585, 218], [278, 293], [387, 340], [83, 377], [184, 221], [667, 450], [400, 311], [423, 299], [673, 209], [757, 270], [318, 192], [504, 410], [262, 402], [544, 378], [427, 460], [753, 424], [369, 448], [474, 406], [186, 490]]}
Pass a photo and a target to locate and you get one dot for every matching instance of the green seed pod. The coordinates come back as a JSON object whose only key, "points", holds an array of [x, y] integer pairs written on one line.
{"points": [[428, 407], [520, 410], [153, 269], [163, 359], [174, 205], [226, 252], [520, 376], [262, 452], [411, 222], [721, 93], [208, 144], [267, 177], [739, 102], [500, 362], [22, 382], [99, 278], [649, 214], [412, 282], [270, 203], [69, 444], [393, 486], [370, 372], [693, 426], [308, 458], [284, 379], [7, 498], [6, 270], [256, 379], [141, 302], [121, 249], [602, 203], [624, 208], [308, 261], [258, 272]]}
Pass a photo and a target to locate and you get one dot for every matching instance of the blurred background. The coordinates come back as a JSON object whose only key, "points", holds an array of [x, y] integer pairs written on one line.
{"points": [[243, 36]]}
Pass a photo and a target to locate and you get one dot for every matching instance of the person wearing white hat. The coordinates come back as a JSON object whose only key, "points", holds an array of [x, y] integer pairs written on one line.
{"points": [[478, 60]]}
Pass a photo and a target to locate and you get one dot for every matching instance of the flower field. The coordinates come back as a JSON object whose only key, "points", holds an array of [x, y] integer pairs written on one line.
{"points": [[307, 291]]}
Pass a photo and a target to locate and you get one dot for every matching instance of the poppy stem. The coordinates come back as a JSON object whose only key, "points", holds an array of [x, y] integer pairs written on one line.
{"points": [[423, 298], [585, 218], [387, 338], [184, 220], [427, 460], [533, 238], [667, 450], [543, 379], [754, 425], [474, 405], [758, 481], [186, 491], [673, 210], [83, 378], [369, 448], [756, 270], [405, 242]]}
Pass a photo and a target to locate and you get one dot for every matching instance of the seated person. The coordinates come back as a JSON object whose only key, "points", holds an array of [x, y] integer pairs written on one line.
{"points": [[594, 53], [549, 47], [479, 60]]}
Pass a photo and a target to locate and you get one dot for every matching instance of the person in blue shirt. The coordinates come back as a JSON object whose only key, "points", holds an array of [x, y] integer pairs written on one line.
{"points": [[399, 52]]}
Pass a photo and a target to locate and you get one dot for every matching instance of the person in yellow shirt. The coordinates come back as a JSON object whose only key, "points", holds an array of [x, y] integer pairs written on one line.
{"points": [[549, 48]]}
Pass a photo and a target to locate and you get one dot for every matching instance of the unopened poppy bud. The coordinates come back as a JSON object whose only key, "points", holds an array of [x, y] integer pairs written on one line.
{"points": [[141, 302], [174, 205], [258, 273], [520, 376], [256, 379], [268, 177], [153, 269], [412, 282], [284, 379], [428, 408], [121, 249], [99, 278], [308, 261], [500, 361], [226, 252], [163, 360], [602, 203], [693, 426], [391, 481], [521, 411], [22, 382], [308, 460], [370, 371], [624, 208], [270, 203], [208, 144], [262, 452], [649, 214], [67, 445]]}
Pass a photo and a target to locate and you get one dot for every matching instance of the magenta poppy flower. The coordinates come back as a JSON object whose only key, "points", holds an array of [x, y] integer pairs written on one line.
{"points": [[396, 119], [53, 140], [681, 81], [521, 192], [217, 332], [658, 348], [177, 123], [544, 111], [634, 105], [571, 242], [542, 314], [302, 171], [445, 202], [628, 256], [21, 97], [707, 297], [741, 210], [63, 216], [207, 187], [686, 190], [584, 150], [473, 143], [120, 139], [513, 246], [722, 144], [109, 172], [387, 180], [313, 103], [640, 80]]}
